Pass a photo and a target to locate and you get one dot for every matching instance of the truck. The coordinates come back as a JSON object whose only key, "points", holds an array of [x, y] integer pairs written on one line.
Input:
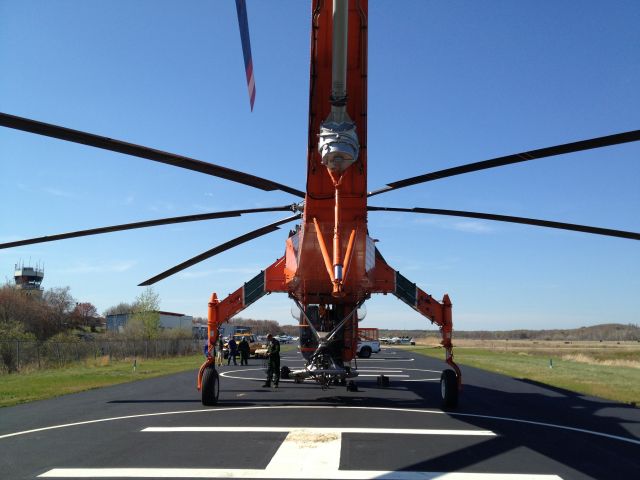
{"points": [[368, 342], [254, 344]]}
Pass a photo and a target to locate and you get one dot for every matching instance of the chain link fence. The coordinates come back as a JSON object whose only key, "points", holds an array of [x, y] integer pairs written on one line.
{"points": [[20, 355]]}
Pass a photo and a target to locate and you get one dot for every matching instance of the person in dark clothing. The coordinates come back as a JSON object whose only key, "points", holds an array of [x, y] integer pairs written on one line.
{"points": [[273, 356], [219, 352], [233, 351], [244, 350]]}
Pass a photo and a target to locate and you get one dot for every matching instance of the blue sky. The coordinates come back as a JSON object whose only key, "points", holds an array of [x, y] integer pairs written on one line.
{"points": [[449, 83]]}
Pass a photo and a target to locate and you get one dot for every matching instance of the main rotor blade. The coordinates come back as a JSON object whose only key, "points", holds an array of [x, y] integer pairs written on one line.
{"points": [[219, 249], [144, 224], [76, 136], [506, 218], [599, 142], [243, 24]]}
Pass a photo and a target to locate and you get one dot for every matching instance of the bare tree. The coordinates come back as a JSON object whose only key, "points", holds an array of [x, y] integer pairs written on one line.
{"points": [[118, 309], [145, 320], [85, 314], [32, 312], [61, 304]]}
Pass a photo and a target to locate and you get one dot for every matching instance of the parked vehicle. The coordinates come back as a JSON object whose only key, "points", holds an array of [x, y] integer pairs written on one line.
{"points": [[368, 342], [254, 344], [398, 341]]}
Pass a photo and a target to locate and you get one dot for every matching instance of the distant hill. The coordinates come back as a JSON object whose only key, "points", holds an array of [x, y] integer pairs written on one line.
{"points": [[604, 332]]}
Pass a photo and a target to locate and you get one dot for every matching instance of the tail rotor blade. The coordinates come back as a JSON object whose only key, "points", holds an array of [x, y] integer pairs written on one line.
{"points": [[219, 249], [243, 24], [506, 218]]}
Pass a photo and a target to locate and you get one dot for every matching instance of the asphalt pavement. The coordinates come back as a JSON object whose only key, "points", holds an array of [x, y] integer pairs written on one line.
{"points": [[157, 428]]}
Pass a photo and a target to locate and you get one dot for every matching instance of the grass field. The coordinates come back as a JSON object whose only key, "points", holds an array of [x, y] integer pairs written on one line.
{"points": [[608, 370], [41, 384], [604, 369], [38, 385]]}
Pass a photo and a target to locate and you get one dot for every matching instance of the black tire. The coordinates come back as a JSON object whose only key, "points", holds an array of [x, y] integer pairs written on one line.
{"points": [[284, 372], [210, 387], [352, 386], [383, 381], [449, 388], [365, 352]]}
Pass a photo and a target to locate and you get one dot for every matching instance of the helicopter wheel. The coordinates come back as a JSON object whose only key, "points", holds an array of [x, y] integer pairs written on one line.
{"points": [[383, 381], [210, 386], [352, 386], [284, 372], [449, 388]]}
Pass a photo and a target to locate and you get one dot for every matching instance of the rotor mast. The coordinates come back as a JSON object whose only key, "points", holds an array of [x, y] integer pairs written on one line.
{"points": [[339, 61], [328, 261], [338, 141]]}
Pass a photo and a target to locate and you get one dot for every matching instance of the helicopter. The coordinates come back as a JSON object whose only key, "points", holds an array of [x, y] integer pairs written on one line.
{"points": [[331, 264]]}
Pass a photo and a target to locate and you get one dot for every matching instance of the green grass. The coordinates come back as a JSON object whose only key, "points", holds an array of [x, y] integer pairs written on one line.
{"points": [[38, 385], [617, 383], [41, 384]]}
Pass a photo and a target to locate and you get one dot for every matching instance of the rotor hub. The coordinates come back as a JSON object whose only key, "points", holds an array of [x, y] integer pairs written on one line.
{"points": [[338, 145]]}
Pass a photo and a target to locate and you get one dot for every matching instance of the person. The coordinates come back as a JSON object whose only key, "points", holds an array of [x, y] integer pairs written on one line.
{"points": [[244, 350], [273, 356], [219, 353], [233, 351]]}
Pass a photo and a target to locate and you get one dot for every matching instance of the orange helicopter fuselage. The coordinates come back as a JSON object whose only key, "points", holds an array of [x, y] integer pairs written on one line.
{"points": [[339, 213]]}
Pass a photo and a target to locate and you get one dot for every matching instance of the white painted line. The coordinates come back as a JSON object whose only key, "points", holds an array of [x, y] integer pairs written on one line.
{"points": [[392, 375], [284, 474], [324, 407], [234, 374], [324, 431], [379, 370], [367, 360]]}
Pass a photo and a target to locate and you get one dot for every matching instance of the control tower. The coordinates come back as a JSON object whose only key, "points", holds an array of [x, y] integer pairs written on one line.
{"points": [[28, 279]]}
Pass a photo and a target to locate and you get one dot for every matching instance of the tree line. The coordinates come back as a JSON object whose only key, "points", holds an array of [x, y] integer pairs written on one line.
{"points": [[264, 327], [55, 317], [605, 332]]}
